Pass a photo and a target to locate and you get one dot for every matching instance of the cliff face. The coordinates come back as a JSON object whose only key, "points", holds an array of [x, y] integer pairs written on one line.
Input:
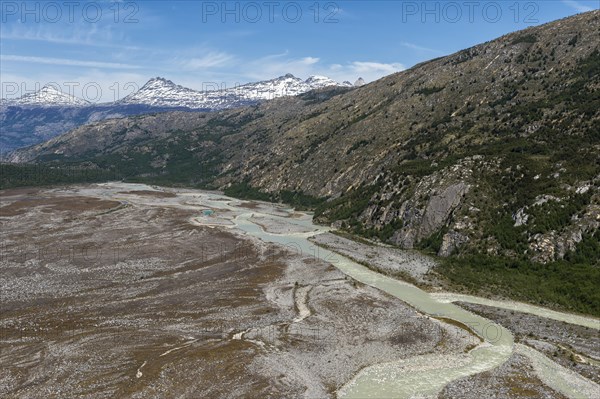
{"points": [[455, 153]]}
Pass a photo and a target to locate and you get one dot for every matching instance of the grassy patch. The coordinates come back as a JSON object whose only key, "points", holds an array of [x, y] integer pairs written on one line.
{"points": [[433, 243], [29, 175], [246, 191], [525, 39], [347, 207], [296, 199], [570, 285]]}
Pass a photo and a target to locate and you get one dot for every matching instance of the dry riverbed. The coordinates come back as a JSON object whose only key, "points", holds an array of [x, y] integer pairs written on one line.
{"points": [[408, 265], [515, 379], [574, 347], [123, 292]]}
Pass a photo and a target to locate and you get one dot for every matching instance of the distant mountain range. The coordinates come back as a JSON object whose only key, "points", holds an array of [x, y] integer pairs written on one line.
{"points": [[164, 93], [39, 116]]}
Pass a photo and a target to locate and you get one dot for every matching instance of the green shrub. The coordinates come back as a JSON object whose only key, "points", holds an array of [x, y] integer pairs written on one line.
{"points": [[429, 90], [525, 39], [568, 285]]}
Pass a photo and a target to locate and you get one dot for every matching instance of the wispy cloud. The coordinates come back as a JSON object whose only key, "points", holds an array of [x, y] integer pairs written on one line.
{"points": [[368, 70], [212, 59], [274, 65], [419, 48], [88, 35], [577, 6], [368, 67], [308, 60], [67, 62]]}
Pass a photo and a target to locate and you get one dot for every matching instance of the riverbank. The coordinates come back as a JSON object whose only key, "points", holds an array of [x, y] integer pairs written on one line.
{"points": [[542, 285], [569, 340], [572, 346]]}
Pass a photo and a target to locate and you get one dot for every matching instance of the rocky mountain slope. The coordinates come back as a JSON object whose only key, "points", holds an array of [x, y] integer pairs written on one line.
{"points": [[29, 124], [493, 150], [47, 113]]}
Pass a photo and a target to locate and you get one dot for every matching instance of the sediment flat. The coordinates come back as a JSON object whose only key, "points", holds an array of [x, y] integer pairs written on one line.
{"points": [[112, 291]]}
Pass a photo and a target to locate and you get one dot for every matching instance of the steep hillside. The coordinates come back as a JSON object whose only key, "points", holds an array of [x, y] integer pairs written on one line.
{"points": [[25, 125], [493, 150]]}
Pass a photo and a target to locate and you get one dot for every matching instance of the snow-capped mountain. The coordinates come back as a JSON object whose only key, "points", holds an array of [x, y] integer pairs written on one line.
{"points": [[47, 96], [287, 85], [39, 116], [161, 92], [164, 93], [360, 82]]}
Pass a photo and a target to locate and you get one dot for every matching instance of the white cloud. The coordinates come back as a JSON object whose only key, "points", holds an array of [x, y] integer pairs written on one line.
{"points": [[419, 48], [210, 60], [309, 60], [67, 62], [275, 65], [577, 6], [73, 34], [368, 70], [367, 67]]}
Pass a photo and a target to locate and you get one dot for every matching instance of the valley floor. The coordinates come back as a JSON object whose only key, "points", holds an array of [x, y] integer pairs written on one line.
{"points": [[130, 291], [125, 298]]}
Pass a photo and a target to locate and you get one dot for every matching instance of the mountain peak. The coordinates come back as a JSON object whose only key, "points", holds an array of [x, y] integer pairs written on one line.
{"points": [[49, 88], [318, 81], [159, 81], [48, 96], [359, 82], [162, 92], [317, 78]]}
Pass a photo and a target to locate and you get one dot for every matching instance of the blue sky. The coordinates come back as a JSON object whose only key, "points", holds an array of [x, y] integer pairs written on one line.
{"points": [[102, 50]]}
